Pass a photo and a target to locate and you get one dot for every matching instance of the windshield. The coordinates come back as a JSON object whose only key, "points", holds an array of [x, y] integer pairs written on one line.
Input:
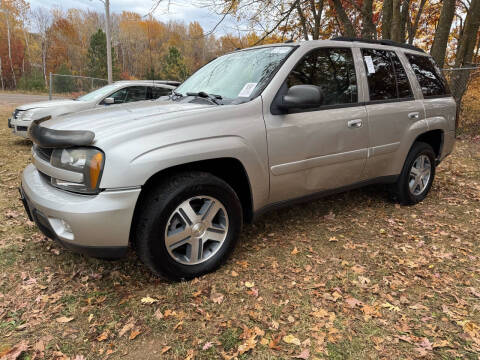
{"points": [[236, 75], [97, 94]]}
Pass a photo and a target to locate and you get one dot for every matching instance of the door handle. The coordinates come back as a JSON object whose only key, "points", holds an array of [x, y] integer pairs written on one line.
{"points": [[414, 115], [353, 124]]}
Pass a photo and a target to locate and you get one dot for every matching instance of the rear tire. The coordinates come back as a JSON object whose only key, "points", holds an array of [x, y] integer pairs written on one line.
{"points": [[188, 225], [417, 175]]}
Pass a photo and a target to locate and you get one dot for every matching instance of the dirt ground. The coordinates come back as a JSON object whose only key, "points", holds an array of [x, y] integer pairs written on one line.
{"points": [[352, 276]]}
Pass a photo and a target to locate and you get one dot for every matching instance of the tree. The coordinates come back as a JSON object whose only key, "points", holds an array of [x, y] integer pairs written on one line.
{"points": [[63, 84], [42, 21], [440, 40], [173, 65], [97, 55]]}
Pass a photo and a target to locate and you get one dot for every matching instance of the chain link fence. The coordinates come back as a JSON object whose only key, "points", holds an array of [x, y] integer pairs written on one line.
{"points": [[73, 85], [464, 84]]}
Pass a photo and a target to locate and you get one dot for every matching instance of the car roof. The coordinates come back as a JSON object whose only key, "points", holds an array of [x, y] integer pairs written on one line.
{"points": [[348, 42], [157, 83]]}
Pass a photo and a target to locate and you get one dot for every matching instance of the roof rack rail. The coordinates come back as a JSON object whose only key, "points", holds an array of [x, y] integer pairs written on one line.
{"points": [[380, 42]]}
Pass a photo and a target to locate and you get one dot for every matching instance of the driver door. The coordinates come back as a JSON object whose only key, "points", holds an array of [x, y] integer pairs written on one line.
{"points": [[323, 148]]}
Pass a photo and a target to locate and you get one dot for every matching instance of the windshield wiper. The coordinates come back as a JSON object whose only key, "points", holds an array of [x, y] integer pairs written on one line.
{"points": [[212, 97]]}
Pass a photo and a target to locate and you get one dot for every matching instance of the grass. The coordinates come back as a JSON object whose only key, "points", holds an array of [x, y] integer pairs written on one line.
{"points": [[413, 270]]}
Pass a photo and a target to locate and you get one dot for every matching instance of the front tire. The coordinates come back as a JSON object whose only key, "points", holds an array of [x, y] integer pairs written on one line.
{"points": [[417, 175], [188, 225]]}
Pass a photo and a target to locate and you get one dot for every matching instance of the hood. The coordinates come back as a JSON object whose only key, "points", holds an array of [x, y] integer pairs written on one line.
{"points": [[124, 119], [46, 104]]}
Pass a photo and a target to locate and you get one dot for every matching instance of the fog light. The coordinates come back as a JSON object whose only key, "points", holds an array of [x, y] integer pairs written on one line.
{"points": [[62, 228]]}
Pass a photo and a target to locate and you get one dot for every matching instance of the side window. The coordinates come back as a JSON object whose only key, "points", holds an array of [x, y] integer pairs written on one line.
{"points": [[429, 76], [157, 91], [387, 79], [136, 93], [332, 70], [119, 96], [403, 84]]}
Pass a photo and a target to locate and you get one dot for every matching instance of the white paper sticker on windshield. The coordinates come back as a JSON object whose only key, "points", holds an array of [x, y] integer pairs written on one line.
{"points": [[370, 66], [280, 50], [247, 90]]}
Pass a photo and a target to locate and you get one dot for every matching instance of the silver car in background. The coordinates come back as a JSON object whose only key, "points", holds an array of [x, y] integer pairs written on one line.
{"points": [[119, 92]]}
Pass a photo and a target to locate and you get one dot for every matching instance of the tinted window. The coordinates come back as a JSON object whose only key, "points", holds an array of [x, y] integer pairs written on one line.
{"points": [[119, 96], [403, 85], [387, 79], [330, 69], [156, 92], [429, 76], [136, 93]]}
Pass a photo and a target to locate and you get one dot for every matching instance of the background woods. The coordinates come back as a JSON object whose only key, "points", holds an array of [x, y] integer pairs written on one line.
{"points": [[34, 42]]}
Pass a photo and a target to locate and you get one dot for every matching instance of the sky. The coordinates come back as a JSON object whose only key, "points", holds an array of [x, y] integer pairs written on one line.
{"points": [[180, 10]]}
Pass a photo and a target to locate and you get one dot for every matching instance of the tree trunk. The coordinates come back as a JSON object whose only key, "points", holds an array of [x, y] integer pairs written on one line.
{"points": [[303, 23], [404, 19], [368, 30], [396, 20], [345, 22], [109, 41], [440, 40], [387, 10], [465, 52], [414, 28], [1, 74], [10, 49]]}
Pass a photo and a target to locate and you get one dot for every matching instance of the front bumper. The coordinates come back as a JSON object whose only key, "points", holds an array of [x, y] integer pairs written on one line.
{"points": [[96, 225], [19, 127]]}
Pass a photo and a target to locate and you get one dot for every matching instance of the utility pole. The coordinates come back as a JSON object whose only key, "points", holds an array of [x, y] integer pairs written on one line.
{"points": [[109, 40]]}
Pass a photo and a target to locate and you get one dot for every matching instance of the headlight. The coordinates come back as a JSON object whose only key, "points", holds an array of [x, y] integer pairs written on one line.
{"points": [[86, 161], [27, 115]]}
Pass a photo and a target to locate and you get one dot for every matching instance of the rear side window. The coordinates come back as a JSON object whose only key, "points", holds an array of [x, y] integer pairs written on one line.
{"points": [[429, 76], [387, 79], [332, 70]]}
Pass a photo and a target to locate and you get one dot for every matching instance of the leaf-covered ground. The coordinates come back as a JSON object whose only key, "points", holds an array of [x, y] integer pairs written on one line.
{"points": [[352, 276]]}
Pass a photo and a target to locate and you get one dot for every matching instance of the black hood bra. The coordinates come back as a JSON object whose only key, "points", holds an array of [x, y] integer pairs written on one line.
{"points": [[51, 138]]}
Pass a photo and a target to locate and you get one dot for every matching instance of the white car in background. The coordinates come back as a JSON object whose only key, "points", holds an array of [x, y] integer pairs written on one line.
{"points": [[119, 92]]}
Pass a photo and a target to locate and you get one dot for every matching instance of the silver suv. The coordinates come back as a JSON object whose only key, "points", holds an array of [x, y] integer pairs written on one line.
{"points": [[251, 130], [119, 92]]}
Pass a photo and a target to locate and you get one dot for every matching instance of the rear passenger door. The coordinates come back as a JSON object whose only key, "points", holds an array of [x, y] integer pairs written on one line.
{"points": [[392, 110]]}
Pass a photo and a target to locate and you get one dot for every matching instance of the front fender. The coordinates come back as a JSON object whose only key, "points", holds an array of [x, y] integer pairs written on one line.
{"points": [[145, 165]]}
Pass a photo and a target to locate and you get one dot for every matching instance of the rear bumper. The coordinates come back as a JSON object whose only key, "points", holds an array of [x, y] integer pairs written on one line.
{"points": [[95, 225]]}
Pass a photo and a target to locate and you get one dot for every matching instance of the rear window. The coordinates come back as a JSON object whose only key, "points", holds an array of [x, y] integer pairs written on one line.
{"points": [[429, 76], [387, 79]]}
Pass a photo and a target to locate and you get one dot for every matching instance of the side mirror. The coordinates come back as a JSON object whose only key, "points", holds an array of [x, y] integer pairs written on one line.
{"points": [[302, 97], [109, 101]]}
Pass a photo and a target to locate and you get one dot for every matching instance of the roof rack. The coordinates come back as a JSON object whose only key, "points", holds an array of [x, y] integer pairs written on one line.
{"points": [[381, 42]]}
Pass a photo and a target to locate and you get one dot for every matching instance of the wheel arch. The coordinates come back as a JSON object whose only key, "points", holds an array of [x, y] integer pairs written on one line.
{"points": [[229, 169], [434, 138]]}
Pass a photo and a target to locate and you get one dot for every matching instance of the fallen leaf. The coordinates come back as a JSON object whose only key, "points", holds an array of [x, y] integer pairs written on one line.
{"points": [[207, 345], [126, 328], [294, 251], [290, 339], [158, 314], [165, 349], [134, 334], [148, 300], [14, 352], [391, 307], [64, 319], [305, 355], [216, 297], [352, 302], [249, 284], [103, 336]]}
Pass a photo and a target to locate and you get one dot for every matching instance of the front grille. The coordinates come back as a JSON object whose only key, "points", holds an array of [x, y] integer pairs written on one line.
{"points": [[43, 153]]}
